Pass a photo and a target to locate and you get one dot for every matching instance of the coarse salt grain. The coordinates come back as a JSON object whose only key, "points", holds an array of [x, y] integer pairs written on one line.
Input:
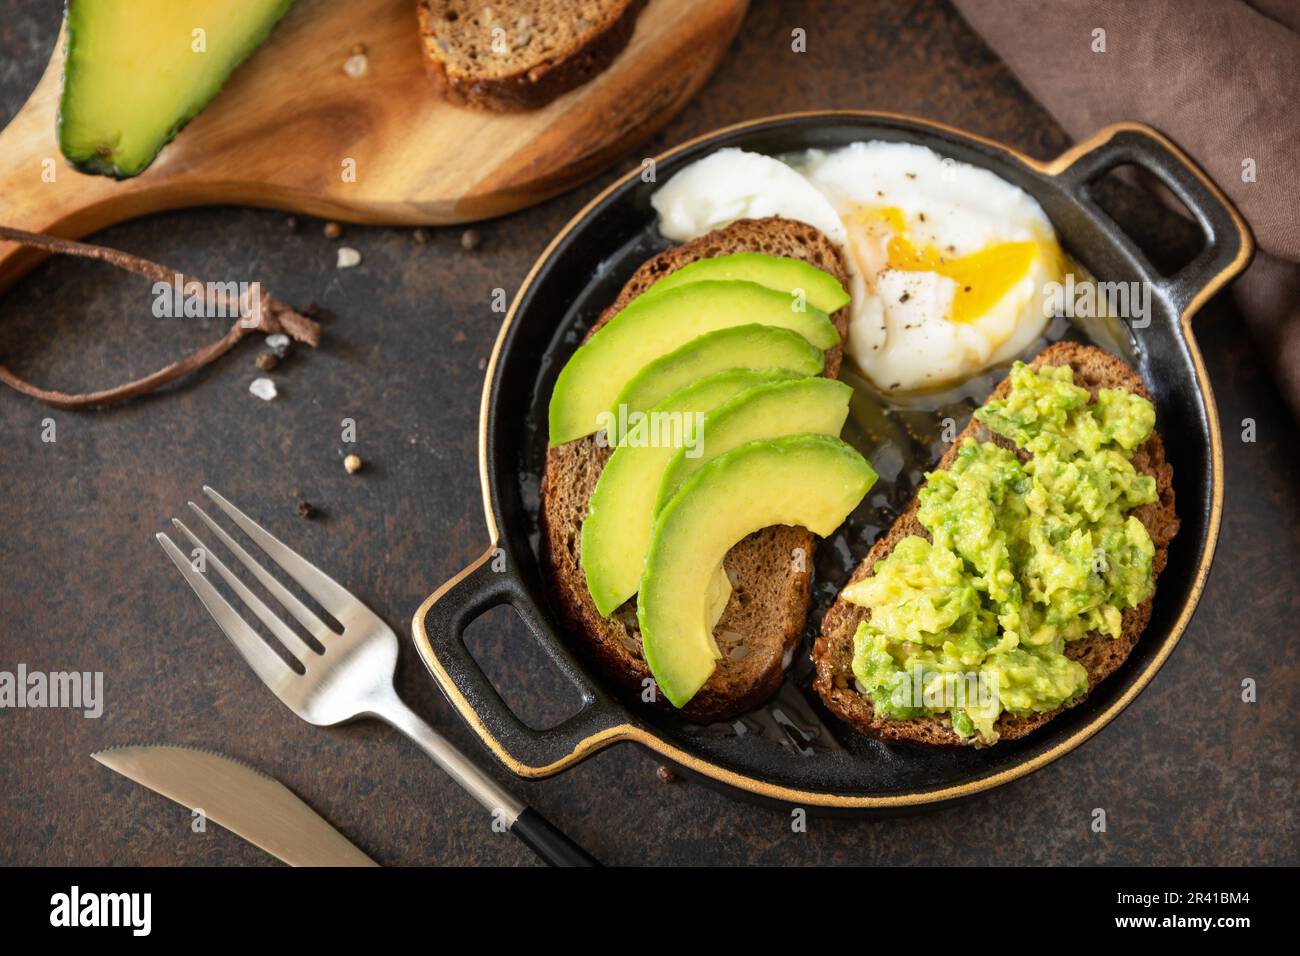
{"points": [[356, 65], [278, 343], [348, 257], [263, 388]]}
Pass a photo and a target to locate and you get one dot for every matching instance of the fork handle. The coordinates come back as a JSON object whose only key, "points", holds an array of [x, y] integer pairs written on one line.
{"points": [[530, 827], [543, 838]]}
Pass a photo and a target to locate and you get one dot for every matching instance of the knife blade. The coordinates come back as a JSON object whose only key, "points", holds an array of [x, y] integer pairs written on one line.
{"points": [[240, 798]]}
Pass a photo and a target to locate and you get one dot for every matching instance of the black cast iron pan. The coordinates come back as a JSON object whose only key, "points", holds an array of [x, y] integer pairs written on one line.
{"points": [[792, 751]]}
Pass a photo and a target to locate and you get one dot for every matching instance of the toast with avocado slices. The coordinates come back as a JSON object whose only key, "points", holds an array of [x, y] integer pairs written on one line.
{"points": [[511, 55], [1095, 655], [765, 615]]}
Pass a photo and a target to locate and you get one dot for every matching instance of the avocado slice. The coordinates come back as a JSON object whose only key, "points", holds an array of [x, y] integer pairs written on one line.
{"points": [[808, 480], [133, 73], [616, 531], [741, 346], [821, 289], [815, 406], [718, 597], [655, 325]]}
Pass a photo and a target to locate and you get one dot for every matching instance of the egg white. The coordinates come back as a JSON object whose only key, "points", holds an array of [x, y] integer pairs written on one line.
{"points": [[734, 184]]}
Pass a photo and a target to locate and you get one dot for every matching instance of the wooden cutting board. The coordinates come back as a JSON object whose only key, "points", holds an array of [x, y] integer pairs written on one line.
{"points": [[289, 119]]}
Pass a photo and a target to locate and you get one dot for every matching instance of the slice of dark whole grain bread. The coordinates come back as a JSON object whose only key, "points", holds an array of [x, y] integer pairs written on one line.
{"points": [[765, 617], [509, 55], [1100, 655]]}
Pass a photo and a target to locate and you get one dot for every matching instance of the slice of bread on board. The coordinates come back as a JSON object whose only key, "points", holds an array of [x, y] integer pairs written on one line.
{"points": [[1100, 655], [770, 570], [510, 55]]}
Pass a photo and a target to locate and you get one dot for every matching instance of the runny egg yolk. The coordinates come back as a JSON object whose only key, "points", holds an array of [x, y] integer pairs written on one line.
{"points": [[983, 277]]}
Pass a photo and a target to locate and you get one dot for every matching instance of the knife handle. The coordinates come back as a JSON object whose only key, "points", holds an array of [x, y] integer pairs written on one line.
{"points": [[540, 835]]}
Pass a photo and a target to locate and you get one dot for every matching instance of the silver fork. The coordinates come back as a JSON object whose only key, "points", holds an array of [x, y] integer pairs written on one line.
{"points": [[353, 676]]}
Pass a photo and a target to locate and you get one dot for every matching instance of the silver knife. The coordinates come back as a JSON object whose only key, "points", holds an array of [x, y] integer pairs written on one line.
{"points": [[243, 800]]}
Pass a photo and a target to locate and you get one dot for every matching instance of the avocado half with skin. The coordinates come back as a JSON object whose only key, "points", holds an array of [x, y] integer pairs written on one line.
{"points": [[135, 72]]}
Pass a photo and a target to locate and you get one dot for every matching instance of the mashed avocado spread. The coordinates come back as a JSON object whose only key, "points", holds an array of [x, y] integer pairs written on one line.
{"points": [[1022, 557]]}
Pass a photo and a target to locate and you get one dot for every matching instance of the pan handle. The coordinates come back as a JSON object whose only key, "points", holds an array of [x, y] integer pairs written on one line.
{"points": [[1228, 241], [439, 632]]}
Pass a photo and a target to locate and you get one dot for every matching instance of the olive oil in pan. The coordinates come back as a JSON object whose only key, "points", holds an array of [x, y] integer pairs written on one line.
{"points": [[787, 719]]}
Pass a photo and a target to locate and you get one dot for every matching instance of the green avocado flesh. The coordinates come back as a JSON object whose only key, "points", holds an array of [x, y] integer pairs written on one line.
{"points": [[652, 326], [791, 276], [616, 531], [135, 72], [808, 480], [1024, 557], [741, 346], [816, 406]]}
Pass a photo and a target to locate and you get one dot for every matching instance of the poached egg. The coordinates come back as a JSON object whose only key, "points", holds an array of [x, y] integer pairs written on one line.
{"points": [[947, 261]]}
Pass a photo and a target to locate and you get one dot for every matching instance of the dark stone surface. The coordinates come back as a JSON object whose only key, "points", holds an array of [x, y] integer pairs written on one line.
{"points": [[1188, 774]]}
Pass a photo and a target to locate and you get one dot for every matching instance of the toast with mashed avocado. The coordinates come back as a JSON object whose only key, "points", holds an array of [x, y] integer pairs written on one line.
{"points": [[764, 617], [1022, 573]]}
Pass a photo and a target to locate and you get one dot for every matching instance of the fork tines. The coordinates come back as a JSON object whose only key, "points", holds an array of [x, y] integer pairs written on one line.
{"points": [[271, 666]]}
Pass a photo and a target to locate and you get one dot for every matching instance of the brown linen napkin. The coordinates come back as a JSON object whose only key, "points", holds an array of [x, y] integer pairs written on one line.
{"points": [[1219, 77]]}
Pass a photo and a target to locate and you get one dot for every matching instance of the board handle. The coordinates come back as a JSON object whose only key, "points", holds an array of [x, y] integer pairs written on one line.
{"points": [[439, 632], [1228, 243]]}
